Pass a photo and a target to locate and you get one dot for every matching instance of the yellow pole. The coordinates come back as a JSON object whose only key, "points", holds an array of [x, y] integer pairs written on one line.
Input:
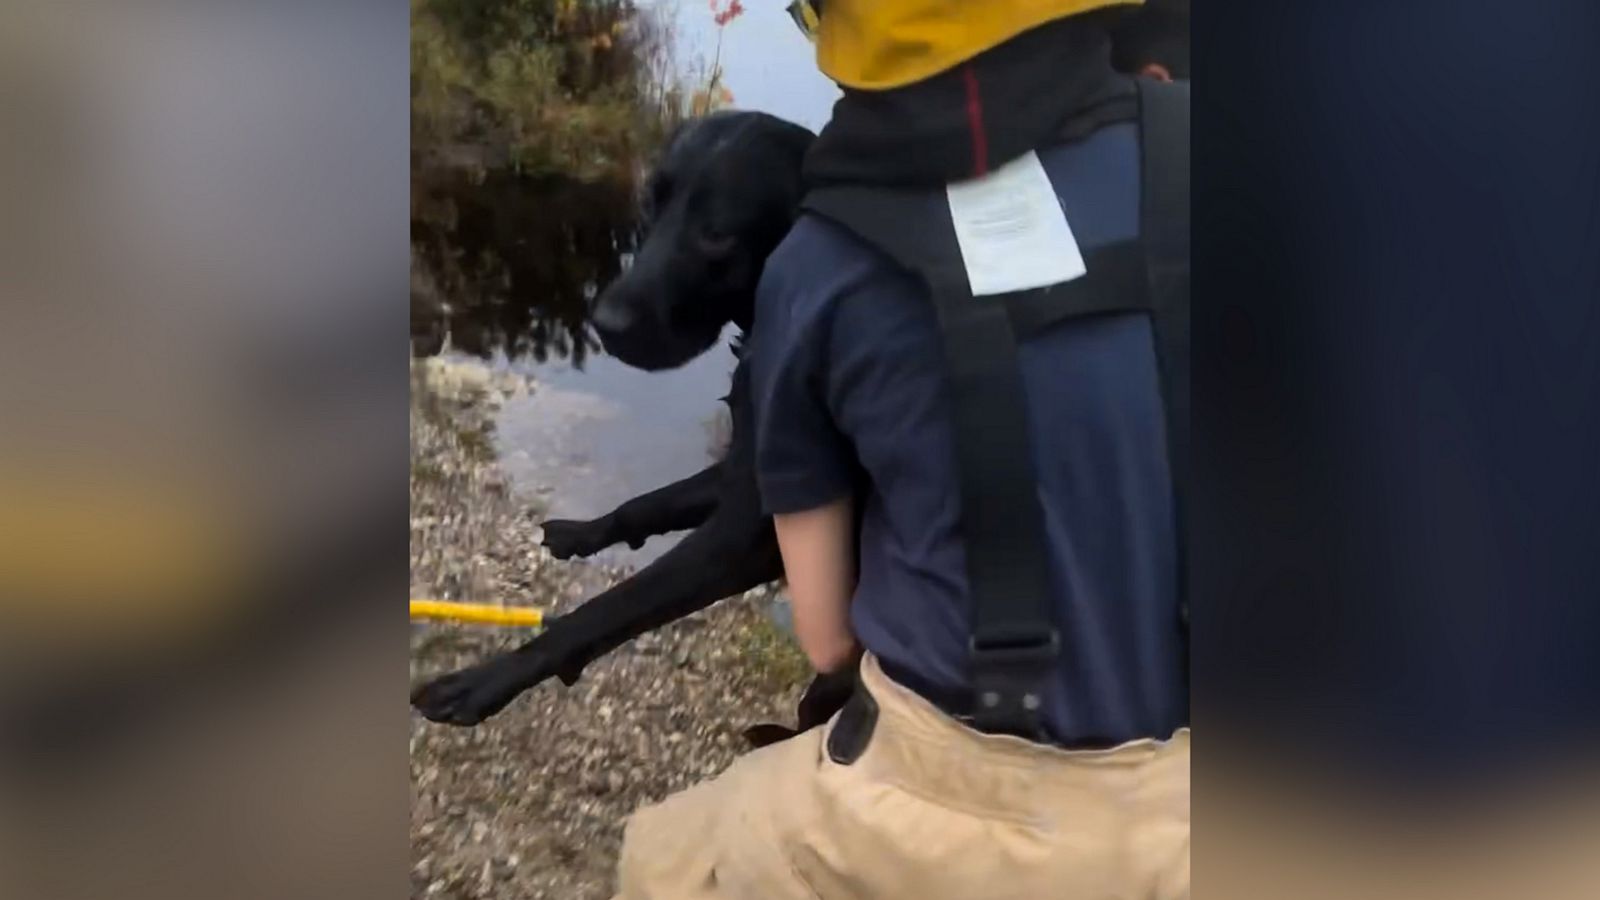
{"points": [[479, 613]]}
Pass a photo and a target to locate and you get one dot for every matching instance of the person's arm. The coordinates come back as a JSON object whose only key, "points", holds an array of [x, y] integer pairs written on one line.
{"points": [[805, 465], [818, 548]]}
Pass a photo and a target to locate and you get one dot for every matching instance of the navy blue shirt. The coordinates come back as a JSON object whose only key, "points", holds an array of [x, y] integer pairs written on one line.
{"points": [[847, 374]]}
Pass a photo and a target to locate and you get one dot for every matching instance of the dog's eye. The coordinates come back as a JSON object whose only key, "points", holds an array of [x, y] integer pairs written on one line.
{"points": [[715, 243]]}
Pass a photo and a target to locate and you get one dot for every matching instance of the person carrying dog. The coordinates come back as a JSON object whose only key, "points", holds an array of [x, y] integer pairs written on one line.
{"points": [[982, 317]]}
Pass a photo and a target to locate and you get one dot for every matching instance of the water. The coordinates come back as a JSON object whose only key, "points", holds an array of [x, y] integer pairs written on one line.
{"points": [[587, 440], [595, 432]]}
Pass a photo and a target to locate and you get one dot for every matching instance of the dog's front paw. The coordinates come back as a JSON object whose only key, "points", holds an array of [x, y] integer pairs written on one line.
{"points": [[467, 697], [566, 539]]}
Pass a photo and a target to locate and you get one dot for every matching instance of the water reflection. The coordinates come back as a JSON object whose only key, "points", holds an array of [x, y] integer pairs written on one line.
{"points": [[504, 261]]}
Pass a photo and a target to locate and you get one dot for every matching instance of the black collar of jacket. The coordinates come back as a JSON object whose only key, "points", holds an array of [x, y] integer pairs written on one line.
{"points": [[1051, 84]]}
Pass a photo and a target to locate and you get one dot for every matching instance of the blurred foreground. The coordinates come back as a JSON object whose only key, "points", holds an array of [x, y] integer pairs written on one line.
{"points": [[203, 245]]}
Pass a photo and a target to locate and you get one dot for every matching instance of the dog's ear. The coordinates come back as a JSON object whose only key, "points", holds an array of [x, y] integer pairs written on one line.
{"points": [[677, 131], [799, 143], [785, 145]]}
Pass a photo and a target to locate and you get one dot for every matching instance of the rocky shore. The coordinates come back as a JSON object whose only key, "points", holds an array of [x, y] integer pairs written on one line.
{"points": [[531, 804]]}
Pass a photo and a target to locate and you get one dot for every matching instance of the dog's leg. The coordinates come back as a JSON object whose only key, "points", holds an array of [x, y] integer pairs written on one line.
{"points": [[735, 550], [676, 507]]}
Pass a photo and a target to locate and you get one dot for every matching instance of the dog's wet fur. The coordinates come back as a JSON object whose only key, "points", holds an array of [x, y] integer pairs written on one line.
{"points": [[722, 196]]}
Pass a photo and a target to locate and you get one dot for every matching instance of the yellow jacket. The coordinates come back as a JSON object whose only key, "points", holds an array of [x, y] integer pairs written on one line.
{"points": [[881, 44]]}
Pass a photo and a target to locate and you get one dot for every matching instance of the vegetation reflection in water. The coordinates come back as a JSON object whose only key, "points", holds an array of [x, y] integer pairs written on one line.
{"points": [[531, 124]]}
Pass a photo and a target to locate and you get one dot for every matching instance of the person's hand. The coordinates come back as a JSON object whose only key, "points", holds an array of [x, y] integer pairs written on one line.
{"points": [[824, 697]]}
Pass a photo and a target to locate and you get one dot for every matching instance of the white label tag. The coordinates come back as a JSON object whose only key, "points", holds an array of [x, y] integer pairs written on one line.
{"points": [[1013, 234]]}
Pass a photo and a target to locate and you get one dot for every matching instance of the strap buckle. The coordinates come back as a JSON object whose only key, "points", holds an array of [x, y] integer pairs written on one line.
{"points": [[1008, 677], [807, 16]]}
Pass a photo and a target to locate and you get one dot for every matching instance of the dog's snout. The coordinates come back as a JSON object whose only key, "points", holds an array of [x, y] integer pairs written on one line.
{"points": [[610, 316]]}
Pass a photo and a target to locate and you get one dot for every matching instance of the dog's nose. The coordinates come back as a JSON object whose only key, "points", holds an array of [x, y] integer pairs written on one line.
{"points": [[610, 316]]}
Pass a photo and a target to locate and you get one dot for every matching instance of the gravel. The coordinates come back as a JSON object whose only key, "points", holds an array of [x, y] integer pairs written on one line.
{"points": [[531, 804]]}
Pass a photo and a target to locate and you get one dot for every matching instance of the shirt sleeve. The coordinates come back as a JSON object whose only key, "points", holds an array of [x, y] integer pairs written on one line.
{"points": [[803, 461]]}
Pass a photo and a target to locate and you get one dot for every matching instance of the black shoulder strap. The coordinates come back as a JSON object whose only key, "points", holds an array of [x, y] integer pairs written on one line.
{"points": [[1014, 642], [1164, 230]]}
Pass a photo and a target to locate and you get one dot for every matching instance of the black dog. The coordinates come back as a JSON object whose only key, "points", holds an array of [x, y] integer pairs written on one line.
{"points": [[722, 197]]}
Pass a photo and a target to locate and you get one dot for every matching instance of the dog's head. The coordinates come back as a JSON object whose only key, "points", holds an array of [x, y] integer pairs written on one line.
{"points": [[721, 198]]}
